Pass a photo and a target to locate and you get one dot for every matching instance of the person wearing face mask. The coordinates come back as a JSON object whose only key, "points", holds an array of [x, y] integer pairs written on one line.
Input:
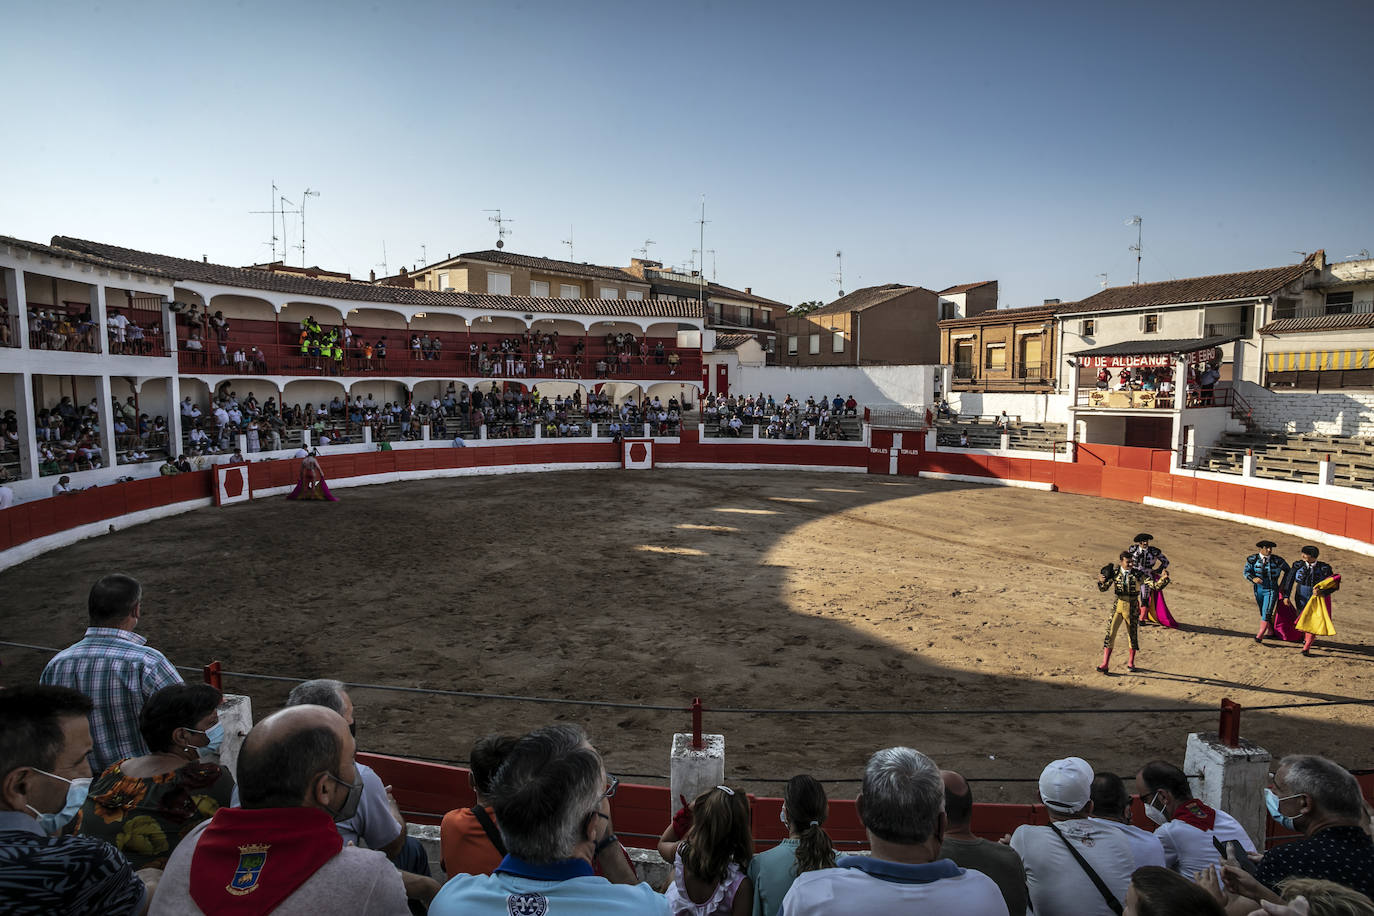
{"points": [[45, 736], [1186, 827], [1322, 801], [280, 853], [377, 823], [143, 806]]}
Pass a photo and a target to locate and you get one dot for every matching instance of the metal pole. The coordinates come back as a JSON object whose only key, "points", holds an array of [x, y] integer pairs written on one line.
{"points": [[214, 675], [1229, 727]]}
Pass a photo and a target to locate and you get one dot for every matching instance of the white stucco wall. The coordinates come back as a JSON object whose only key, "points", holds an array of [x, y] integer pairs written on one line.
{"points": [[1031, 408], [910, 387], [1333, 413]]}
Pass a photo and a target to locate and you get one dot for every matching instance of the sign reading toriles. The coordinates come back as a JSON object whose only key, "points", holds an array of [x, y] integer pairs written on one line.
{"points": [[1146, 360]]}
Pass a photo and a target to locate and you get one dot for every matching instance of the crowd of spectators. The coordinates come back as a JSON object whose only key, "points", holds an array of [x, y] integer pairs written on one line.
{"points": [[1201, 382], [790, 419], [73, 329], [112, 800]]}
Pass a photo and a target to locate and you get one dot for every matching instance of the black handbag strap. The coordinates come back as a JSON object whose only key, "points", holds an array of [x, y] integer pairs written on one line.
{"points": [[490, 828], [1107, 895]]}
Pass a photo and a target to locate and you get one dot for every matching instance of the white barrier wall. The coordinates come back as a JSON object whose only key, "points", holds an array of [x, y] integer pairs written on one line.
{"points": [[877, 387], [1321, 413], [1031, 408]]}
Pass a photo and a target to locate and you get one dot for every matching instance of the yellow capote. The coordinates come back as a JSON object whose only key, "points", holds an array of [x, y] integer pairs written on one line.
{"points": [[1316, 616]]}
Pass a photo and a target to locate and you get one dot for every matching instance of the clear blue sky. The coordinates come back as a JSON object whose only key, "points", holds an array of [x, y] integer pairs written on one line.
{"points": [[935, 144]]}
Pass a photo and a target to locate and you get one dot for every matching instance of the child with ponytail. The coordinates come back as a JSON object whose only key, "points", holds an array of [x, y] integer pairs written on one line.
{"points": [[807, 847], [710, 856]]}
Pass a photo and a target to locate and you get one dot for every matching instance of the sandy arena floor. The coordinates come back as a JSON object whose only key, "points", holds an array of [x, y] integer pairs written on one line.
{"points": [[749, 589]]}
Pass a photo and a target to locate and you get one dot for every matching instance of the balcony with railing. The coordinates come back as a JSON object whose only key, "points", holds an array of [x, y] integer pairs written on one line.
{"points": [[1322, 309], [1020, 377]]}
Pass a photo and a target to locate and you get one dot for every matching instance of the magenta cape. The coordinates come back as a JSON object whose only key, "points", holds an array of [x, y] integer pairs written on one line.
{"points": [[1286, 621]]}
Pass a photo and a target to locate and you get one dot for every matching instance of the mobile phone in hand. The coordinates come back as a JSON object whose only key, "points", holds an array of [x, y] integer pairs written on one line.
{"points": [[1237, 851]]}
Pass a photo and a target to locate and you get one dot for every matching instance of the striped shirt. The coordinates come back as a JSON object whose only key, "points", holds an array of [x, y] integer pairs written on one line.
{"points": [[119, 672]]}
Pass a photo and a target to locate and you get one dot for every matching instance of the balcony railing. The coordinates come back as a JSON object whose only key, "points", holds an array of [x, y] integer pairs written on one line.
{"points": [[284, 359], [1106, 399], [1321, 309], [1225, 329]]}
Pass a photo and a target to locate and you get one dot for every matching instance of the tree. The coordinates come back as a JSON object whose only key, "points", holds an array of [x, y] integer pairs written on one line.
{"points": [[803, 308]]}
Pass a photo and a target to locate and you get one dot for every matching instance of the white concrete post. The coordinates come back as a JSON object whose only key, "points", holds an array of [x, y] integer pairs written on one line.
{"points": [[594, 431], [174, 416], [755, 428], [98, 312], [1326, 472], [243, 444], [105, 411], [1006, 441], [28, 433], [18, 307], [1247, 464], [367, 434], [305, 438], [424, 433], [932, 440], [482, 430], [236, 715], [538, 430], [1230, 779], [811, 433], [647, 433], [691, 771]]}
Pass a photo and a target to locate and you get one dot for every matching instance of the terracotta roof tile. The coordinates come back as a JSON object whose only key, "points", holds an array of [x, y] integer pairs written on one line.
{"points": [[998, 316], [964, 287], [1319, 323], [247, 278], [866, 298], [731, 341], [82, 257], [1221, 287], [497, 256], [726, 292]]}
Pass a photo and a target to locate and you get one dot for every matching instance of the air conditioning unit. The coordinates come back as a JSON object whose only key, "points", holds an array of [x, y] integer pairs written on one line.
{"points": [[449, 289]]}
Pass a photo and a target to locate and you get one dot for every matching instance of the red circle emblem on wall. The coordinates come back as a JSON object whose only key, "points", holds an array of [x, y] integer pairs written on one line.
{"points": [[638, 452], [233, 483]]}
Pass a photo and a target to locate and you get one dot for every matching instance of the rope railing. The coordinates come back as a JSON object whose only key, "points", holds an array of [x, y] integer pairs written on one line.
{"points": [[214, 674]]}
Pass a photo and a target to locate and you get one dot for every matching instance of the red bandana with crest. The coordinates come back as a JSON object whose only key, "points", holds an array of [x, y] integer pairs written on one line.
{"points": [[1196, 813], [249, 860]]}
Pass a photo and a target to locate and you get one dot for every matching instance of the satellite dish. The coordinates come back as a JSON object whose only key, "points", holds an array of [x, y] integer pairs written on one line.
{"points": [[500, 244]]}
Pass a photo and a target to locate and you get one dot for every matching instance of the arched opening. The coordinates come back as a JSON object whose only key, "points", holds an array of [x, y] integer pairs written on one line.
{"points": [[230, 333], [374, 340]]}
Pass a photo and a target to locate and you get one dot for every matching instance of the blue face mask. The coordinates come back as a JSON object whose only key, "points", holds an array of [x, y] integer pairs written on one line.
{"points": [[77, 790], [1271, 802], [215, 735]]}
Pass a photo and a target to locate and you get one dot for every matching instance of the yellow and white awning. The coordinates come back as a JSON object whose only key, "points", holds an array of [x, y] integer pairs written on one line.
{"points": [[1319, 360]]}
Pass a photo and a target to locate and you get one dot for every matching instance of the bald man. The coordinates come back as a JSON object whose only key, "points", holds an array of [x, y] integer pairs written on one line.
{"points": [[999, 862], [280, 852]]}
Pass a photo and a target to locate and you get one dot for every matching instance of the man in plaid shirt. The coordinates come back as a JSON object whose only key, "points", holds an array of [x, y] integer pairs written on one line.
{"points": [[115, 668]]}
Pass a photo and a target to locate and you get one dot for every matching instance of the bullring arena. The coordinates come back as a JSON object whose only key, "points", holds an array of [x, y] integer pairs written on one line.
{"points": [[847, 595]]}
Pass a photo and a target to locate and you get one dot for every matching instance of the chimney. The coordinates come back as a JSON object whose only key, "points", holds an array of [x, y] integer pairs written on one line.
{"points": [[403, 271], [205, 259], [372, 276], [749, 290], [1051, 302]]}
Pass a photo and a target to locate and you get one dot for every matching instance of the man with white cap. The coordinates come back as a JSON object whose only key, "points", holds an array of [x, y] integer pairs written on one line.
{"points": [[1074, 865]]}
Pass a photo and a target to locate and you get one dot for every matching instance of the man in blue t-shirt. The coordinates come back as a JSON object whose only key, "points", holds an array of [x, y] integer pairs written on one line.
{"points": [[551, 798]]}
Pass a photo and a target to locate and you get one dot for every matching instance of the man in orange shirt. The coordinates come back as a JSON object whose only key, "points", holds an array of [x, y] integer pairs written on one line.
{"points": [[469, 841]]}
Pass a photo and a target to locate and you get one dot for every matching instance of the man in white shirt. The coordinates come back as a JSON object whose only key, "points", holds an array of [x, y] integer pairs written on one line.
{"points": [[902, 806], [1067, 859], [1186, 826], [1111, 808]]}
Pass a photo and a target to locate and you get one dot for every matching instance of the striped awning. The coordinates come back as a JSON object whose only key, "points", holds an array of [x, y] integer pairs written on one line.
{"points": [[1320, 360]]}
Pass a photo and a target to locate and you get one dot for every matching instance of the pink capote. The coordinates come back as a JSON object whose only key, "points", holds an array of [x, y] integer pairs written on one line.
{"points": [[312, 484], [1161, 610], [1286, 621]]}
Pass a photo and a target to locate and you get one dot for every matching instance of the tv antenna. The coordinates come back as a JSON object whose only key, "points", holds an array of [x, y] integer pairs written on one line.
{"points": [[424, 254], [569, 242], [1139, 230], [701, 246], [712, 253], [644, 249], [386, 271], [839, 271], [693, 259], [283, 211], [501, 230], [273, 211], [306, 193], [1102, 281]]}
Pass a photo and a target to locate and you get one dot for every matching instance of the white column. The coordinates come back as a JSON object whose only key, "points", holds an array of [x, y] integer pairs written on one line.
{"points": [[28, 435], [102, 333], [691, 771], [174, 417], [538, 430], [18, 307], [1247, 464], [1230, 779], [1326, 472], [367, 434], [236, 715], [106, 414], [305, 438], [424, 433], [811, 433], [932, 441]]}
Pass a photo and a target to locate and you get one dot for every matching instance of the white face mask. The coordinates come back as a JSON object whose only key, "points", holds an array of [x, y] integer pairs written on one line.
{"points": [[1155, 814]]}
